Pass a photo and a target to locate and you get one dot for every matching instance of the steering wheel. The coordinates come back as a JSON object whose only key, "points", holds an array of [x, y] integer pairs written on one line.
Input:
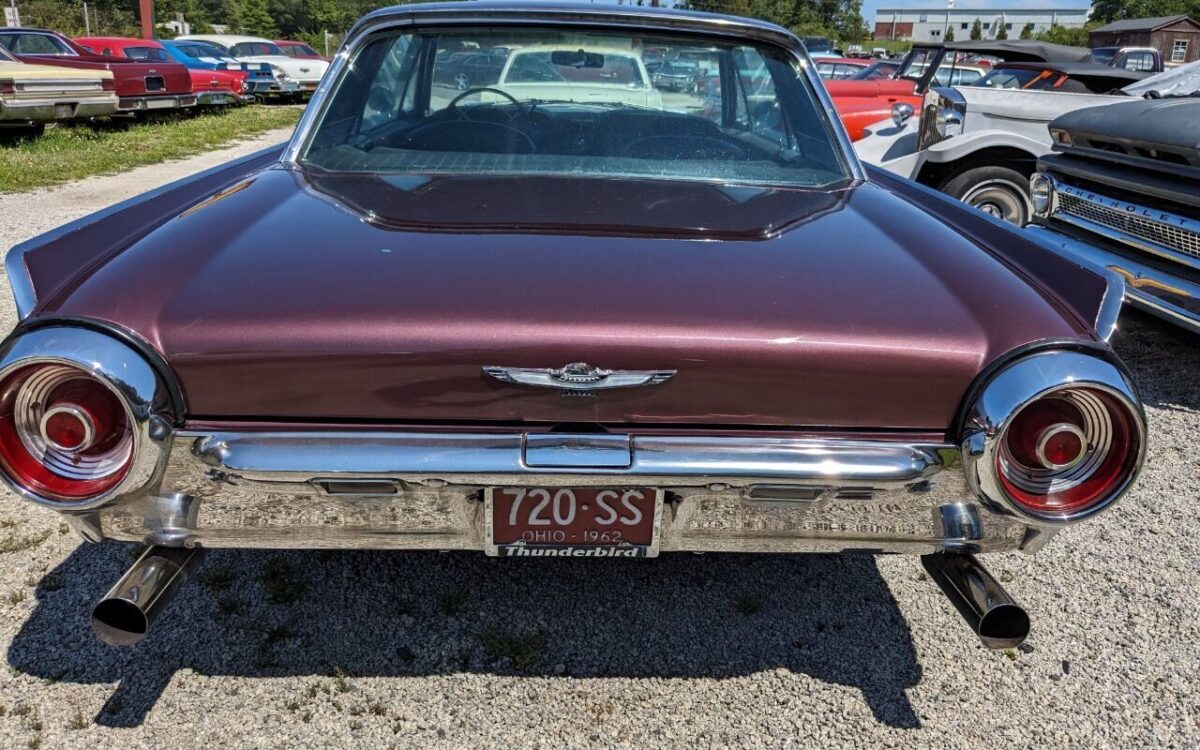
{"points": [[452, 107]]}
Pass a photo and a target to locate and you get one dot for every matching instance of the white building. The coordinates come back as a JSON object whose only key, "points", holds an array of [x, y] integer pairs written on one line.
{"points": [[930, 22]]}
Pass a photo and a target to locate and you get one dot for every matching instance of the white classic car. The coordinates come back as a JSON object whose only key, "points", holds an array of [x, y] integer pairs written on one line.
{"points": [[294, 74], [32, 95], [980, 143], [548, 73]]}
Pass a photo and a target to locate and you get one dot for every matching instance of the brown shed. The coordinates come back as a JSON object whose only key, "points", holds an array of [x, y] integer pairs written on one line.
{"points": [[1176, 37]]}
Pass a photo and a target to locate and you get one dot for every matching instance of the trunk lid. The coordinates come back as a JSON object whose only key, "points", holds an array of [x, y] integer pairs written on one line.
{"points": [[351, 299]]}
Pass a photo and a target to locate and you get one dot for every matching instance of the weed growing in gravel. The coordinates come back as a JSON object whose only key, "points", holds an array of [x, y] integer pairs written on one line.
{"points": [[3, 710], [293, 705], [63, 529], [7, 523], [15, 597], [306, 716], [216, 579], [521, 651], [377, 709], [51, 583], [18, 543], [282, 586], [77, 721], [748, 603], [341, 682], [452, 603]]}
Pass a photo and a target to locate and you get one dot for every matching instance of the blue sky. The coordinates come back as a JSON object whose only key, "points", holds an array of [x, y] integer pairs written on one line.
{"points": [[869, 6]]}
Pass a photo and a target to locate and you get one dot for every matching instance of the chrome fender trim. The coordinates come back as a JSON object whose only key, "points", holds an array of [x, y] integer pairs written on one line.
{"points": [[123, 370], [1021, 383]]}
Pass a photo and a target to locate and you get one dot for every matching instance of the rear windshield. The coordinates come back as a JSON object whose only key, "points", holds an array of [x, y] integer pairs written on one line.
{"points": [[201, 50], [575, 103], [154, 54], [34, 44], [1019, 78], [298, 50], [254, 49]]}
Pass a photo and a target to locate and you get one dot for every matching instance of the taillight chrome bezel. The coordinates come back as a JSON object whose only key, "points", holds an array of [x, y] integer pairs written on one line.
{"points": [[1018, 385], [124, 371]]}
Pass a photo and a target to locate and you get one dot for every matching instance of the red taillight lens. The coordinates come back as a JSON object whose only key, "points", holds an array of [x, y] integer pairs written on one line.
{"points": [[109, 84], [63, 434], [7, 86], [1067, 451]]}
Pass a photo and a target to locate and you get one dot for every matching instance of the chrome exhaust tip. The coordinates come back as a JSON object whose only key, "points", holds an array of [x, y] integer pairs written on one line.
{"points": [[994, 616], [126, 613]]}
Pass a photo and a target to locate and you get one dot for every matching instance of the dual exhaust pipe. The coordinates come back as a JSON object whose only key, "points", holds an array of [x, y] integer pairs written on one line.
{"points": [[126, 613], [991, 613]]}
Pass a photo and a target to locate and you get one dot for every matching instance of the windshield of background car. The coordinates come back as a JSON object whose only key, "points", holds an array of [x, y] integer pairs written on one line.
{"points": [[255, 49], [876, 71], [1103, 55], [154, 54], [297, 50], [5, 56], [196, 50], [574, 103], [1018, 78], [34, 44]]}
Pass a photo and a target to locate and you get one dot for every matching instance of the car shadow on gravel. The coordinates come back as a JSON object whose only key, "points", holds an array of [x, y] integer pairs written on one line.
{"points": [[339, 616], [1163, 359]]}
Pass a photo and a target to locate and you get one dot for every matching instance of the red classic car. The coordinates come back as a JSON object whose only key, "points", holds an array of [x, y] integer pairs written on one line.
{"points": [[211, 87], [567, 326], [141, 86]]}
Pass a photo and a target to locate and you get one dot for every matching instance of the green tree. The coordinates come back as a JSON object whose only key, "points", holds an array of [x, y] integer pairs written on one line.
{"points": [[977, 30], [1074, 37], [1027, 31], [255, 19], [949, 34], [1002, 31]]}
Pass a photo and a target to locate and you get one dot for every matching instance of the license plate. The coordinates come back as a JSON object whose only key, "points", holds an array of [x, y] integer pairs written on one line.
{"points": [[218, 99], [160, 103], [572, 521]]}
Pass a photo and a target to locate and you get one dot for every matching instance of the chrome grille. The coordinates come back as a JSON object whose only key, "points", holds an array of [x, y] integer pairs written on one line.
{"points": [[1137, 229]]}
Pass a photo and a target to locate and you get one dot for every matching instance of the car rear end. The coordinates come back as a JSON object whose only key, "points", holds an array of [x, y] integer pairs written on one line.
{"points": [[146, 87], [630, 344], [47, 96]]}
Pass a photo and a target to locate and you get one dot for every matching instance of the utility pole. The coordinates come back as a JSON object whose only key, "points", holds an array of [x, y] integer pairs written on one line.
{"points": [[146, 11], [87, 22]]}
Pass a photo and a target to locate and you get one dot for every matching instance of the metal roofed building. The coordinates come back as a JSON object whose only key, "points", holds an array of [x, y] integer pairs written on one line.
{"points": [[929, 22]]}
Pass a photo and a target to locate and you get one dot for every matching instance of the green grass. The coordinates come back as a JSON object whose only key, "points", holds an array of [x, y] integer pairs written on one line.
{"points": [[72, 151]]}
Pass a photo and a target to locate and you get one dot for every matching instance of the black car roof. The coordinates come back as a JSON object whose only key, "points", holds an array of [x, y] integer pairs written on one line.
{"points": [[1023, 50]]}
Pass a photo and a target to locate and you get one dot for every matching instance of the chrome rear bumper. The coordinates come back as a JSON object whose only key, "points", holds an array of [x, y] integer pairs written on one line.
{"points": [[389, 490]]}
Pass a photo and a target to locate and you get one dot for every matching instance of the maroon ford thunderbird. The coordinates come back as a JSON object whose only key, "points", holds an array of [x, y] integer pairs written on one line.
{"points": [[563, 314]]}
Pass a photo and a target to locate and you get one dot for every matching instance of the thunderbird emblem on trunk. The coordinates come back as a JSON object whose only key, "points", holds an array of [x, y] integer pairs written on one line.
{"points": [[579, 376]]}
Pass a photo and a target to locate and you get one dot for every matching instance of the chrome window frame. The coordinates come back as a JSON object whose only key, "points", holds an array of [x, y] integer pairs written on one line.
{"points": [[728, 28]]}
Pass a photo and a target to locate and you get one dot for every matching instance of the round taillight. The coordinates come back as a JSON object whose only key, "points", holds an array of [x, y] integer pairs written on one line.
{"points": [[64, 435], [1067, 451]]}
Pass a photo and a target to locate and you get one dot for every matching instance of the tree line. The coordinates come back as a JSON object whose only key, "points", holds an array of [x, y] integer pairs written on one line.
{"points": [[308, 20]]}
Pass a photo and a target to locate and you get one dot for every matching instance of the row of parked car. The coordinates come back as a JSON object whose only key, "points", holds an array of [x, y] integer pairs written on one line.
{"points": [[1101, 162], [47, 77]]}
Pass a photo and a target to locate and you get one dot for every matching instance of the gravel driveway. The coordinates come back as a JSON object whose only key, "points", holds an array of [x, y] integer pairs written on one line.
{"points": [[456, 650]]}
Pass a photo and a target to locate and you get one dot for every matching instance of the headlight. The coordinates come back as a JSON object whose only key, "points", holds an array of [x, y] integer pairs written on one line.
{"points": [[901, 113], [949, 122], [1041, 194]]}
